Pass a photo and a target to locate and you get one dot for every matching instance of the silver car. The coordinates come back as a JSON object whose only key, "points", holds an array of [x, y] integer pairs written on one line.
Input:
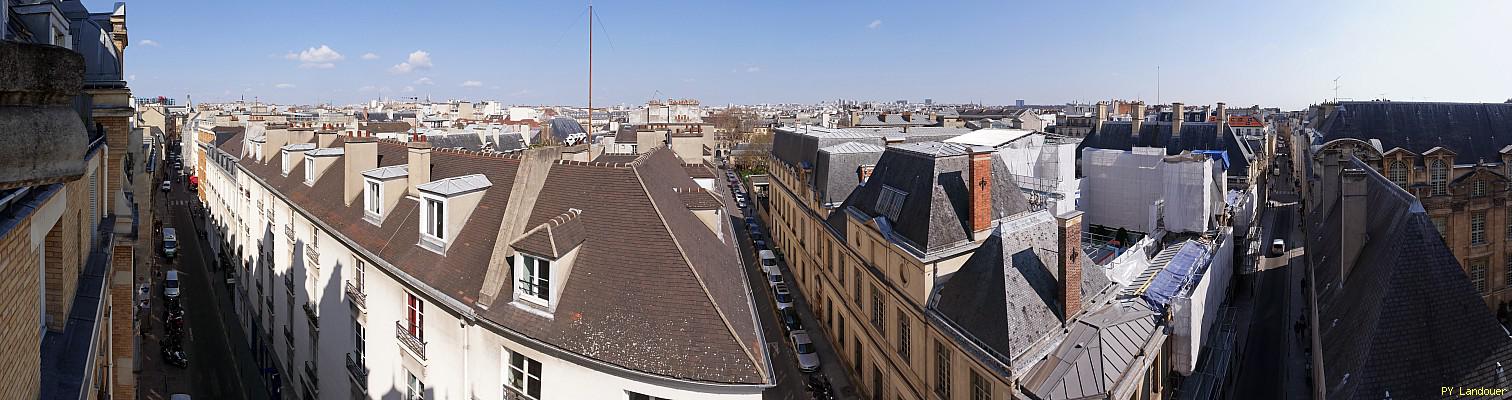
{"points": [[783, 296], [808, 359]]}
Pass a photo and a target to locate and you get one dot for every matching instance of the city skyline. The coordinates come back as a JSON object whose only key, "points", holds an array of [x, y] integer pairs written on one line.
{"points": [[1270, 56]]}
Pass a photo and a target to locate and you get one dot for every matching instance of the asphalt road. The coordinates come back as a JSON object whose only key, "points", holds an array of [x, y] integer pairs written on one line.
{"points": [[220, 364], [1266, 360]]}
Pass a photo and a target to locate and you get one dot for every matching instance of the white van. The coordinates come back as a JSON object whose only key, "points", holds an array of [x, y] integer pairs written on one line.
{"points": [[171, 284], [170, 242], [768, 261]]}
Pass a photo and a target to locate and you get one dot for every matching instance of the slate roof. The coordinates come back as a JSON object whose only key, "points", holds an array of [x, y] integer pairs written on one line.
{"points": [[386, 127], [852, 148], [224, 134], [1097, 351], [456, 185], [392, 171], [1194, 136], [1474, 130], [466, 141], [505, 142], [1407, 319], [1006, 295], [682, 309], [699, 199], [935, 212]]}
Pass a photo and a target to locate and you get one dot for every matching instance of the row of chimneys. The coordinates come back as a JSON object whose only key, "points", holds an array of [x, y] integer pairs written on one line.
{"points": [[1178, 116], [361, 152]]}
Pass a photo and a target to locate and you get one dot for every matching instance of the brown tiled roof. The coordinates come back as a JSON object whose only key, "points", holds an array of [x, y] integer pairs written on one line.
{"points": [[698, 171], [616, 158], [555, 237], [670, 300], [698, 199]]}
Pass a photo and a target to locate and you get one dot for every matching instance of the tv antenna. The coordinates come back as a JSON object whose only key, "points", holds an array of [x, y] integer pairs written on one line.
{"points": [[1336, 88]]}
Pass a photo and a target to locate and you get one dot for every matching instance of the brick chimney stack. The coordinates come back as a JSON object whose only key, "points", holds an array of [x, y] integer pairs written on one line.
{"points": [[1355, 208], [1068, 230], [1137, 114], [1102, 115], [1222, 117], [981, 190], [1178, 115], [361, 152], [419, 164]]}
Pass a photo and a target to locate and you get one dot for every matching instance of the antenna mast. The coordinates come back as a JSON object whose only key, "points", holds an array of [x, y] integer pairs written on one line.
{"points": [[590, 68], [1336, 88]]}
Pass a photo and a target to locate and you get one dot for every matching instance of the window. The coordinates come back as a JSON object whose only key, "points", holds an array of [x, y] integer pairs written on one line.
{"points": [[890, 202], [435, 219], [1478, 228], [1398, 173], [309, 170], [285, 159], [415, 389], [942, 370], [879, 309], [904, 341], [638, 396], [860, 357], [1441, 224], [359, 353], [525, 375], [374, 197], [415, 320], [877, 391], [535, 279], [1478, 188], [1438, 177], [1478, 275], [980, 389], [359, 275], [856, 274]]}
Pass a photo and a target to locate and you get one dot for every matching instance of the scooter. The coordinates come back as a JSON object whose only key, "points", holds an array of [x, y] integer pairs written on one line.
{"points": [[177, 358]]}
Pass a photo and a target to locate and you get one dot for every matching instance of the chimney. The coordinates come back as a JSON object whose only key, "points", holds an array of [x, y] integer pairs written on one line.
{"points": [[275, 137], [1178, 115], [1102, 115], [361, 155], [1068, 230], [1222, 117], [419, 163], [324, 138], [1137, 114], [981, 190], [1355, 209]]}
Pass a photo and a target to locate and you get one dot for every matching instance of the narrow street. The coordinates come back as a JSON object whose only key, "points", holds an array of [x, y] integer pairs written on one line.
{"points": [[220, 365], [1271, 366]]}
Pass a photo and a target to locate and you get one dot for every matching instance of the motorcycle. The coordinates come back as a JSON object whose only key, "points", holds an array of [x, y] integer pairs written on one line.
{"points": [[176, 358]]}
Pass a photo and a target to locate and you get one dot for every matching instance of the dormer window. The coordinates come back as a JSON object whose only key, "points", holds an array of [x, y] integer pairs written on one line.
{"points": [[309, 171], [285, 163], [445, 206], [435, 219], [534, 281], [373, 202]]}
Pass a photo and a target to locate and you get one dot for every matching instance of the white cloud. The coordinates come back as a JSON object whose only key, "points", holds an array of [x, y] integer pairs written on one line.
{"points": [[472, 84], [417, 60], [369, 56], [424, 81], [408, 89], [876, 23], [284, 86], [753, 69], [316, 57], [148, 42]]}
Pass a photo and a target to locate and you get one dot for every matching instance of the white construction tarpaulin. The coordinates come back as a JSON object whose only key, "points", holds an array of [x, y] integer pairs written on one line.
{"points": [[1194, 313], [1130, 189]]}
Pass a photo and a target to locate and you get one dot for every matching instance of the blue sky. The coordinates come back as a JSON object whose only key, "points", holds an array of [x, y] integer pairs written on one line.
{"points": [[1284, 54]]}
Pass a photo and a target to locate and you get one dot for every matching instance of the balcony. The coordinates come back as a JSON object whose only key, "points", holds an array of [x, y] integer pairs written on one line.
{"points": [[271, 215], [313, 253], [312, 378], [358, 370], [259, 205], [289, 232], [289, 283], [410, 341], [356, 295], [510, 393], [309, 310]]}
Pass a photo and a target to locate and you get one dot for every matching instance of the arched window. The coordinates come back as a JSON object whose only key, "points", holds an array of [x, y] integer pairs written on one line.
{"points": [[1438, 176], [1398, 173]]}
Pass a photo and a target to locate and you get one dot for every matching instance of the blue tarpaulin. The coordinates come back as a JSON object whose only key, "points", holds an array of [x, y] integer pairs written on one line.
{"points": [[1180, 271], [1220, 155]]}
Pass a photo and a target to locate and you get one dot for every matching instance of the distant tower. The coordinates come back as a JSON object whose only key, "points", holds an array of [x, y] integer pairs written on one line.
{"points": [[1018, 103]]}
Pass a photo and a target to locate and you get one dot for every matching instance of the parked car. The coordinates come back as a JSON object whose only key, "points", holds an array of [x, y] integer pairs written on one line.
{"points": [[790, 319], [755, 235], [167, 186], [1278, 247], [775, 279], [808, 359], [768, 261], [171, 284], [170, 242], [760, 244], [750, 220], [782, 295]]}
